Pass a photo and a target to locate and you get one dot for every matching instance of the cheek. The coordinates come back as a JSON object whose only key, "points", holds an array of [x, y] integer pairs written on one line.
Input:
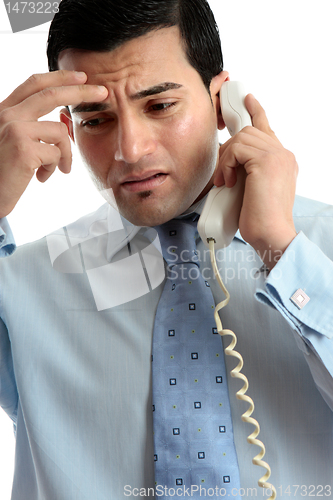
{"points": [[184, 128], [181, 139], [196, 128], [189, 128], [196, 141], [92, 156]]}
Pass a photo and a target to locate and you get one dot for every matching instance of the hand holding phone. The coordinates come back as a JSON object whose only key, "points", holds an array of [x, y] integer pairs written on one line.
{"points": [[220, 215]]}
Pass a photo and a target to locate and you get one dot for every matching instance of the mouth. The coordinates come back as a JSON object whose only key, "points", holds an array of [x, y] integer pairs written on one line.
{"points": [[144, 183]]}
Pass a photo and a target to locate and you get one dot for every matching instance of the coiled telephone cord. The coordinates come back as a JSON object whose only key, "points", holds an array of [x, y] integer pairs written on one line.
{"points": [[235, 373]]}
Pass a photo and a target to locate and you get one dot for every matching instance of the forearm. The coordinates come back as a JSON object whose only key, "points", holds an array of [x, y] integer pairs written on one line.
{"points": [[305, 269]]}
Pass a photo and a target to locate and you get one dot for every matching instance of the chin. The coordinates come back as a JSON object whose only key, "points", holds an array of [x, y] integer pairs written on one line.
{"points": [[148, 209], [149, 218]]}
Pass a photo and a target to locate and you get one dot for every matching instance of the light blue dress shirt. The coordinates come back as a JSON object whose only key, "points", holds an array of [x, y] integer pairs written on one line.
{"points": [[75, 346]]}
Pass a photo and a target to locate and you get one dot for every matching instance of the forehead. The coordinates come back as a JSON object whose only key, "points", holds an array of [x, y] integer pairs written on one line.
{"points": [[153, 55]]}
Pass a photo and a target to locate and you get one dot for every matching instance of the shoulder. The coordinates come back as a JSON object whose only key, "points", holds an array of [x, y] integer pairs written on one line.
{"points": [[305, 207], [315, 220], [45, 249]]}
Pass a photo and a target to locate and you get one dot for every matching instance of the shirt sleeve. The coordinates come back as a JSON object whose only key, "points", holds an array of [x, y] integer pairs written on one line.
{"points": [[7, 242], [8, 389], [300, 287]]}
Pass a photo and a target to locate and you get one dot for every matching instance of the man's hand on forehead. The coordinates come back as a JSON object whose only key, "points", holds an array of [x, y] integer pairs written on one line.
{"points": [[41, 94], [27, 145]]}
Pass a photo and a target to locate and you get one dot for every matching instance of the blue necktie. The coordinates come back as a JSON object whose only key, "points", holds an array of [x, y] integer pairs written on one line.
{"points": [[193, 436]]}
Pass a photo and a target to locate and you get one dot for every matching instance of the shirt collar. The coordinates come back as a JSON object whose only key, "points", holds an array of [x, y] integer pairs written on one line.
{"points": [[198, 207], [118, 239], [121, 234]]}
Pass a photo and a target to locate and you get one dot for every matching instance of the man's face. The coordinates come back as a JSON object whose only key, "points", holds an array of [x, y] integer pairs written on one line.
{"points": [[154, 142]]}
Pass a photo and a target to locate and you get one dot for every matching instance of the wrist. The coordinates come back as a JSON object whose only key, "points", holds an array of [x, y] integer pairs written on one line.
{"points": [[270, 250]]}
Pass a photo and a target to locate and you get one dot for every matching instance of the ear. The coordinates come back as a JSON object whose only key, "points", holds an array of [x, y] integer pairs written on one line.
{"points": [[215, 87], [66, 118]]}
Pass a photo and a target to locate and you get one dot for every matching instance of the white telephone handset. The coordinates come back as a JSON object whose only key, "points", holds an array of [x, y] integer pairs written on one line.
{"points": [[220, 215], [217, 226]]}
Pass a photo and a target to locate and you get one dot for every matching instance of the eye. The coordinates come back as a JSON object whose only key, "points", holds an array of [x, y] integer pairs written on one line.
{"points": [[161, 107], [93, 123]]}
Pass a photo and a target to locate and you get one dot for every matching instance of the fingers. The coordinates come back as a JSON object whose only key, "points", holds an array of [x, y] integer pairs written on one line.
{"points": [[258, 115], [38, 82], [27, 145], [266, 220], [41, 94], [247, 145], [51, 156], [27, 137], [48, 99], [49, 159], [236, 155], [54, 135]]}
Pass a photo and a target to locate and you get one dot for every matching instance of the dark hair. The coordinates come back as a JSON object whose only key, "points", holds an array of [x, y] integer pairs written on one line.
{"points": [[103, 25]]}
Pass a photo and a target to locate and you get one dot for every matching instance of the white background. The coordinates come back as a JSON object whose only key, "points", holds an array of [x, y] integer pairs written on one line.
{"points": [[281, 51]]}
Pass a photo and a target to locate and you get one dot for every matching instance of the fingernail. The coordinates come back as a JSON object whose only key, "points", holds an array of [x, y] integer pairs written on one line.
{"points": [[80, 74], [101, 89]]}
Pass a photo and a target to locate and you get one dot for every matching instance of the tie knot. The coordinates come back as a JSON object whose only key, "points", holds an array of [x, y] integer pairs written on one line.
{"points": [[178, 240]]}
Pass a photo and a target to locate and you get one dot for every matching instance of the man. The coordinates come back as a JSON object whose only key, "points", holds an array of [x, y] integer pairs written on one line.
{"points": [[144, 113]]}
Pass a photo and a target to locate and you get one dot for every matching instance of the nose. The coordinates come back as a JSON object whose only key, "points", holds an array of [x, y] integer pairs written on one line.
{"points": [[134, 139]]}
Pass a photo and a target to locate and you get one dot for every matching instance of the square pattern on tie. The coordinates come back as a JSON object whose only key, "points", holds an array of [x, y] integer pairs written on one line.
{"points": [[192, 421]]}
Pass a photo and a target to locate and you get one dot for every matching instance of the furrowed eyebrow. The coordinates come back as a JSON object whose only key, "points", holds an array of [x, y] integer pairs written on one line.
{"points": [[156, 89], [89, 107]]}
